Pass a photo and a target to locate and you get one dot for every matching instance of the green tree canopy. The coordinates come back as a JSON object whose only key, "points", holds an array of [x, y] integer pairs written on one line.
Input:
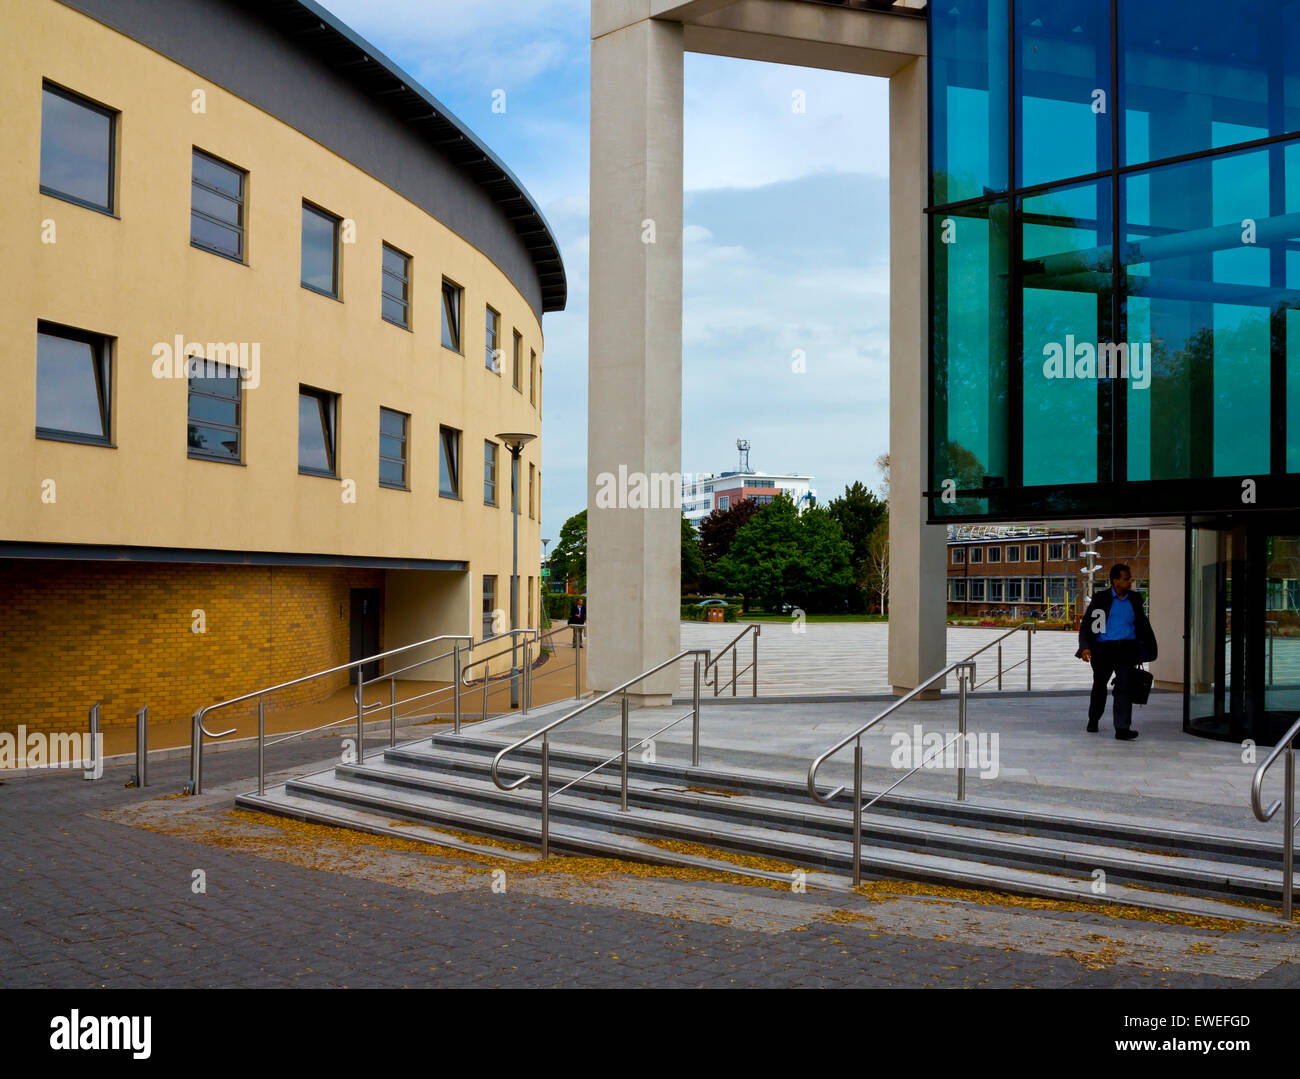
{"points": [[692, 559], [569, 559], [718, 530], [858, 511]]}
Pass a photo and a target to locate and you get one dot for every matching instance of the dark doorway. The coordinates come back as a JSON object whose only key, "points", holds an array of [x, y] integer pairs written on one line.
{"points": [[363, 630]]}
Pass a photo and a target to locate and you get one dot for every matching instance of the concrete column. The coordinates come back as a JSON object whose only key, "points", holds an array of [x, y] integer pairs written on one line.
{"points": [[917, 551], [634, 392], [1168, 574]]}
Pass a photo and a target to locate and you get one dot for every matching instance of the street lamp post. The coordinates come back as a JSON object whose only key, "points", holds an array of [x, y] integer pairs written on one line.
{"points": [[515, 442]]}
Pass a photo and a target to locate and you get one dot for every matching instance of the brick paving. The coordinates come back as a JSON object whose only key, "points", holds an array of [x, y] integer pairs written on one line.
{"points": [[90, 902]]}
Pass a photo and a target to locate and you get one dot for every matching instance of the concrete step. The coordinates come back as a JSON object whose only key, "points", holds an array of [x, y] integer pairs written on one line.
{"points": [[585, 826]]}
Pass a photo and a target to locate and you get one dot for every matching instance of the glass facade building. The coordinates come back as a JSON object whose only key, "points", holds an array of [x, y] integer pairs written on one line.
{"points": [[1115, 290]]}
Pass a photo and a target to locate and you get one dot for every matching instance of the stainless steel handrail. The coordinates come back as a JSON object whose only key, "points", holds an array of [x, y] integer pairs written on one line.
{"points": [[544, 734], [1028, 661], [1285, 744], [967, 667], [756, 628], [195, 785]]}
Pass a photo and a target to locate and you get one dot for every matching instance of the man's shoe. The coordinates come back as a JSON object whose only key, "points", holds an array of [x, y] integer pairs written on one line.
{"points": [[1092, 726], [1126, 736]]}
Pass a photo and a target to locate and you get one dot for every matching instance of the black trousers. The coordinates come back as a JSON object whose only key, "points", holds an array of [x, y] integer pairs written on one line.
{"points": [[1117, 658]]}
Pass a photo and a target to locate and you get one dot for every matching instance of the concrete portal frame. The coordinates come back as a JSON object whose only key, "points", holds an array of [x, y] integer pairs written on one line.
{"points": [[635, 331]]}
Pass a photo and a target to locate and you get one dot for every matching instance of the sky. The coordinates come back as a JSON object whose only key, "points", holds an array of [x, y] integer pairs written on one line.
{"points": [[785, 242]]}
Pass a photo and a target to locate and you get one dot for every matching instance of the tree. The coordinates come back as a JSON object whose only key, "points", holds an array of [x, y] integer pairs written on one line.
{"points": [[692, 559], [882, 463], [569, 559], [718, 530], [858, 511], [873, 574]]}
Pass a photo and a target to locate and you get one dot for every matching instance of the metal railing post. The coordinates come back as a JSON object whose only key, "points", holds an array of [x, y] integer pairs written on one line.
{"points": [[455, 670], [1029, 660], [261, 745], [526, 699], [754, 667], [94, 742], [142, 747], [546, 796], [196, 757], [695, 718], [734, 675], [392, 712], [577, 662], [857, 814], [623, 778], [999, 667], [1288, 835], [962, 677], [361, 719]]}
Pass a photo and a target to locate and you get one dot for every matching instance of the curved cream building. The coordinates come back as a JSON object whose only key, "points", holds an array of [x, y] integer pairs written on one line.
{"points": [[268, 304]]}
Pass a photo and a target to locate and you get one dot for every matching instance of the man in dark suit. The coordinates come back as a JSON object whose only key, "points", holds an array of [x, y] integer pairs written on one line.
{"points": [[578, 614], [1115, 637]]}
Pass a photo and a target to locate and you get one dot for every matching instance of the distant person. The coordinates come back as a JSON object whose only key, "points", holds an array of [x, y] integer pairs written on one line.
{"points": [[578, 614], [1115, 637]]}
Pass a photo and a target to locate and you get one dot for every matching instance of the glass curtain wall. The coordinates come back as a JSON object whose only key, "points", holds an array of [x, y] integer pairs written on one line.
{"points": [[1115, 255]]}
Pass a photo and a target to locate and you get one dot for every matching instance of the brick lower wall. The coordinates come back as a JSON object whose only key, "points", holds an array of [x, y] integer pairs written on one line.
{"points": [[123, 634]]}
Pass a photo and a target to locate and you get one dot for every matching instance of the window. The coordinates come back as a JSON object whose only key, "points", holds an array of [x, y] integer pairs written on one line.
{"points": [[518, 373], [215, 415], [724, 502], [532, 377], [1074, 550], [489, 473], [217, 206], [958, 556], [73, 398], [531, 586], [532, 480], [1013, 554], [489, 603], [1033, 552], [317, 446], [995, 554], [1055, 551], [449, 462], [395, 283], [977, 554], [514, 484], [959, 589], [77, 149], [1034, 589], [492, 352], [320, 251], [451, 295], [977, 590], [392, 448], [995, 589], [1013, 590]]}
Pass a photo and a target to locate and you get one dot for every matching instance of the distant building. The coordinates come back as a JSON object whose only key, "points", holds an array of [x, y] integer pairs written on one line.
{"points": [[710, 491], [1036, 571]]}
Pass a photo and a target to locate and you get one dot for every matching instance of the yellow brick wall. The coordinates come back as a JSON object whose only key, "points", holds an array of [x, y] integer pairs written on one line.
{"points": [[122, 633]]}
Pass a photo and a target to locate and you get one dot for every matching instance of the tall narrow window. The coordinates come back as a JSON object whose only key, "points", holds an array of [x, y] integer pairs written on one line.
{"points": [[518, 374], [215, 415], [320, 251], [489, 473], [395, 304], [492, 335], [489, 603], [449, 462], [532, 478], [392, 448], [451, 296], [77, 149], [217, 206], [73, 398], [514, 484], [532, 377], [317, 432]]}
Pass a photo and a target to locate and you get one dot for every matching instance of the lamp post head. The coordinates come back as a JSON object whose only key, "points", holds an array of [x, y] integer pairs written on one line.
{"points": [[515, 441]]}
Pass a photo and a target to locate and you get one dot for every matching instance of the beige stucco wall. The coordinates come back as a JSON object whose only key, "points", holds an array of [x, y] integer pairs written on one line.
{"points": [[136, 278]]}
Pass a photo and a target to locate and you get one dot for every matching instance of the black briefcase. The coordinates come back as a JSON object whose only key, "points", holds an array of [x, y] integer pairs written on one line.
{"points": [[1139, 685]]}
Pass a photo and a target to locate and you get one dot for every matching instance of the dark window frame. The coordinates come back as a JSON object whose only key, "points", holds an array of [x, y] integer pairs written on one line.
{"points": [[405, 459], [517, 375], [454, 464], [241, 202], [330, 419], [112, 114], [453, 321], [195, 454], [104, 348], [495, 500], [310, 207], [384, 275], [492, 337]]}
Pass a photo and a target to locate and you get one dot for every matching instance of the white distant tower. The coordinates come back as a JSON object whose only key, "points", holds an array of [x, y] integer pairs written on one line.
{"points": [[742, 444]]}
